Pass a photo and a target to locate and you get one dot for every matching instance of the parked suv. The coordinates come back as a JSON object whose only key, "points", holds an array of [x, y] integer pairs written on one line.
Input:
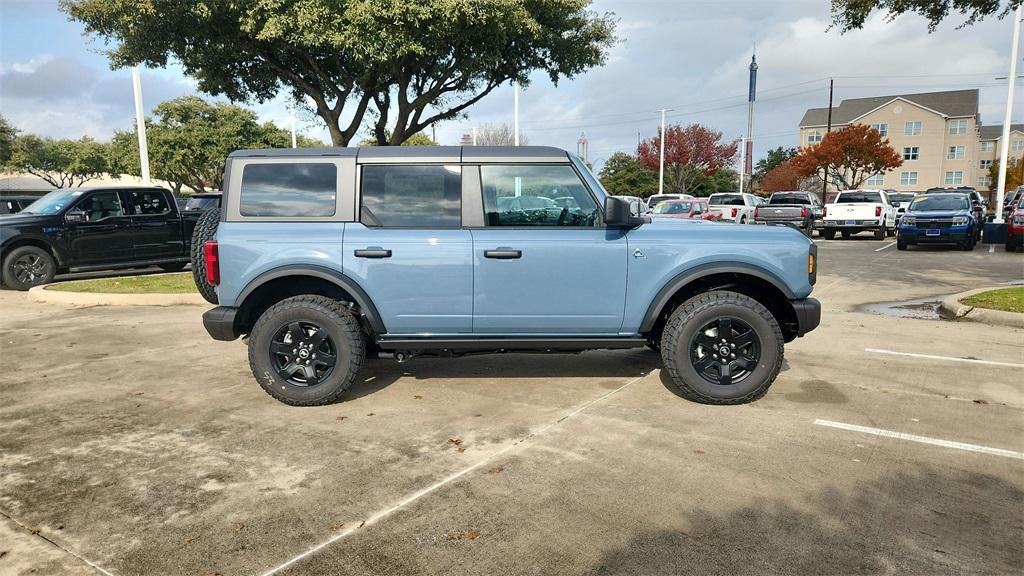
{"points": [[945, 218], [327, 256]]}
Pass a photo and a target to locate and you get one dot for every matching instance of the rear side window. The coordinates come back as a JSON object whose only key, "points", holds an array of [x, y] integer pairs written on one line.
{"points": [[854, 197], [789, 199], [148, 202], [726, 200], [411, 196], [288, 190], [534, 195]]}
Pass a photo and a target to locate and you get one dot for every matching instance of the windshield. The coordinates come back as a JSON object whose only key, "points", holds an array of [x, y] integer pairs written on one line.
{"points": [[672, 208], [789, 199], [53, 202], [851, 197], [940, 202], [725, 200]]}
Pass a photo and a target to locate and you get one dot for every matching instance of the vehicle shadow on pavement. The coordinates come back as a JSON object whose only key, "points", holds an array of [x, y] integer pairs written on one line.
{"points": [[670, 385], [620, 365], [930, 521]]}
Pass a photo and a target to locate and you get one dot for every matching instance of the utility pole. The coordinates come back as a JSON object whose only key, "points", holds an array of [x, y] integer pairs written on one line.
{"points": [[743, 160], [515, 112], [748, 143], [140, 125], [824, 183], [433, 132], [1004, 142], [291, 117], [661, 160]]}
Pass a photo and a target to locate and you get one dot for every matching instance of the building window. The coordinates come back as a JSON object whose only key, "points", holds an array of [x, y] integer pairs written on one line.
{"points": [[908, 178], [958, 126], [911, 152], [814, 137], [912, 128], [984, 181], [988, 146], [1017, 145], [985, 164], [954, 178], [955, 153], [876, 180], [883, 129]]}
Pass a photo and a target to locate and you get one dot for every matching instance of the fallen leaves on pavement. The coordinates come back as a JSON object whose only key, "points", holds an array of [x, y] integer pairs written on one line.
{"points": [[468, 535]]}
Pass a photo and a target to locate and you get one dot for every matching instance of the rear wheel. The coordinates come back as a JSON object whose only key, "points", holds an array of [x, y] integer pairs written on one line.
{"points": [[206, 229], [722, 348], [828, 234], [846, 234], [881, 233], [28, 266], [306, 350]]}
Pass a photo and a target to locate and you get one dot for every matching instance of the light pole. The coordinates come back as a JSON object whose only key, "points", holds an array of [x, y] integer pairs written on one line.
{"points": [[140, 125], [743, 160], [515, 112], [661, 156], [291, 117], [1004, 143]]}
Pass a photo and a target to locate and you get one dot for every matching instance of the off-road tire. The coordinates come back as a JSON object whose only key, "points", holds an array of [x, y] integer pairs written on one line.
{"points": [[689, 317], [828, 234], [45, 264], [206, 229], [342, 328], [173, 266]]}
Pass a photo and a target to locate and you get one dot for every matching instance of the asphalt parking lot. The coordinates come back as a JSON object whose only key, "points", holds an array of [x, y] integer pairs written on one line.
{"points": [[131, 443]]}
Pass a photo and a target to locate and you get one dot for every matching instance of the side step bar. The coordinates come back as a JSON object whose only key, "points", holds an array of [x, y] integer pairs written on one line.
{"points": [[509, 344]]}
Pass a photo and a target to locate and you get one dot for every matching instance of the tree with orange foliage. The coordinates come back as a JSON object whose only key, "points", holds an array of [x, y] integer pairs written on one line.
{"points": [[783, 178], [691, 152], [848, 157]]}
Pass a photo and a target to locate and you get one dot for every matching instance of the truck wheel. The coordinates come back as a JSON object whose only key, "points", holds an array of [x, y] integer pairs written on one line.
{"points": [[881, 233], [173, 266], [846, 234], [829, 234], [900, 244], [306, 350], [722, 348], [968, 244], [28, 266], [206, 229]]}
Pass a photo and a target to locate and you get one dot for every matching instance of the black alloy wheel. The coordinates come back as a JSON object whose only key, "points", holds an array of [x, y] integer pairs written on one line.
{"points": [[725, 351], [30, 268], [302, 353]]}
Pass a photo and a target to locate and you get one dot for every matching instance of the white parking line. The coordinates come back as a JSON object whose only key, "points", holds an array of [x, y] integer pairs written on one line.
{"points": [[889, 245], [991, 248], [946, 358], [922, 439], [421, 493]]}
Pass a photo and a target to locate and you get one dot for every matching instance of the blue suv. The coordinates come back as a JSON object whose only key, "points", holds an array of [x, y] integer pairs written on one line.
{"points": [[939, 218], [325, 257]]}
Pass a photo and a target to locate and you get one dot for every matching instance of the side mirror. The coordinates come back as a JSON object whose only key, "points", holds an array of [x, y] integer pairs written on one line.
{"points": [[618, 213], [75, 216]]}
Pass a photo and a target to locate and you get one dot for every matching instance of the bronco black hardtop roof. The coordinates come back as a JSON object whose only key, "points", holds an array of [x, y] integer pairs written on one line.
{"points": [[420, 153]]}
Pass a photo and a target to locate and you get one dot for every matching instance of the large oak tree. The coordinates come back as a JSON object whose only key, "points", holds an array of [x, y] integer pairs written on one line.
{"points": [[851, 14], [847, 157], [396, 64]]}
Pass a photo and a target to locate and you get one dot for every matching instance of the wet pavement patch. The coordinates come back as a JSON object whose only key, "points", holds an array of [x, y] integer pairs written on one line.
{"points": [[921, 309]]}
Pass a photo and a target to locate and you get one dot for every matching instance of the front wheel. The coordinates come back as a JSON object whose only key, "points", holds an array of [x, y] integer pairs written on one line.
{"points": [[722, 348], [900, 244], [306, 350], [28, 266]]}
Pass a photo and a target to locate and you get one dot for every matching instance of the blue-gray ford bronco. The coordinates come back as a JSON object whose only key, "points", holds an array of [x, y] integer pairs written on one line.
{"points": [[326, 257]]}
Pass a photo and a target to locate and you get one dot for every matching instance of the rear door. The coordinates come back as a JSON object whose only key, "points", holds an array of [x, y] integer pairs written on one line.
{"points": [[540, 269], [409, 251], [104, 234], [156, 227]]}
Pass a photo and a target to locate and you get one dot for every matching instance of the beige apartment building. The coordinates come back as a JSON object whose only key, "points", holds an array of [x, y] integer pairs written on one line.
{"points": [[938, 134]]}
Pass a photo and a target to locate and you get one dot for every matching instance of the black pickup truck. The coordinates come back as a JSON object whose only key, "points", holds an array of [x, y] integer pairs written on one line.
{"points": [[80, 229]]}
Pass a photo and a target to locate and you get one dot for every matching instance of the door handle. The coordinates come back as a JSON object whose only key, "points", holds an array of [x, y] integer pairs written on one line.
{"points": [[503, 254], [373, 252]]}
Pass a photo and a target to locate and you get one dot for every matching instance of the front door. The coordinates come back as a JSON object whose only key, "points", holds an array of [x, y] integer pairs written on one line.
{"points": [[409, 252], [104, 234], [543, 263], [156, 228]]}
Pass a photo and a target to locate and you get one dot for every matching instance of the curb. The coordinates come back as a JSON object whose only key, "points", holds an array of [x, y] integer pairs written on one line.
{"points": [[41, 294], [951, 307]]}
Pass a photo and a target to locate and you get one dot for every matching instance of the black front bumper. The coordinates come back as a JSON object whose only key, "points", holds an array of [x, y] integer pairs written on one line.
{"points": [[808, 314], [220, 323]]}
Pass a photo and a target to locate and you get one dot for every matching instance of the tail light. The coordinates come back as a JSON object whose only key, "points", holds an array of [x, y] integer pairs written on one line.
{"points": [[878, 211], [755, 212], [211, 258], [824, 211], [733, 212], [803, 212]]}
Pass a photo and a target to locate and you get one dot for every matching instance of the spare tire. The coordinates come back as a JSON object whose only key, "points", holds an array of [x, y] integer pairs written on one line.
{"points": [[206, 229]]}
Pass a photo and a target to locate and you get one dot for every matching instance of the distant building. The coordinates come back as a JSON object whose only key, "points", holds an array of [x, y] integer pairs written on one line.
{"points": [[938, 134]]}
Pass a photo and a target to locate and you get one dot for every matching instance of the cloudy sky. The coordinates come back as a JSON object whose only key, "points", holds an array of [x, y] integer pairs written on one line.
{"points": [[689, 55]]}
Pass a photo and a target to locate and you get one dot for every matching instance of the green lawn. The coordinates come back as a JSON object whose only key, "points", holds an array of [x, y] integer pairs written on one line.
{"points": [[179, 283], [1008, 299]]}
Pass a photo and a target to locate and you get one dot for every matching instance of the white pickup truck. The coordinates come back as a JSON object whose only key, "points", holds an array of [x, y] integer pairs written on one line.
{"points": [[854, 211], [735, 207]]}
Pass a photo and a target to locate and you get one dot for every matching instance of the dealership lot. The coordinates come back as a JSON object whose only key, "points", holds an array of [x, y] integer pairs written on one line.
{"points": [[131, 443]]}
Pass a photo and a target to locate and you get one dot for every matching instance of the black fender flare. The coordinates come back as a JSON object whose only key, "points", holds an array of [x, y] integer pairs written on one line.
{"points": [[685, 277], [360, 296]]}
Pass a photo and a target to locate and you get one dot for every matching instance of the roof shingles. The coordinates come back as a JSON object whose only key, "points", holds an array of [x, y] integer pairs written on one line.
{"points": [[953, 104]]}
